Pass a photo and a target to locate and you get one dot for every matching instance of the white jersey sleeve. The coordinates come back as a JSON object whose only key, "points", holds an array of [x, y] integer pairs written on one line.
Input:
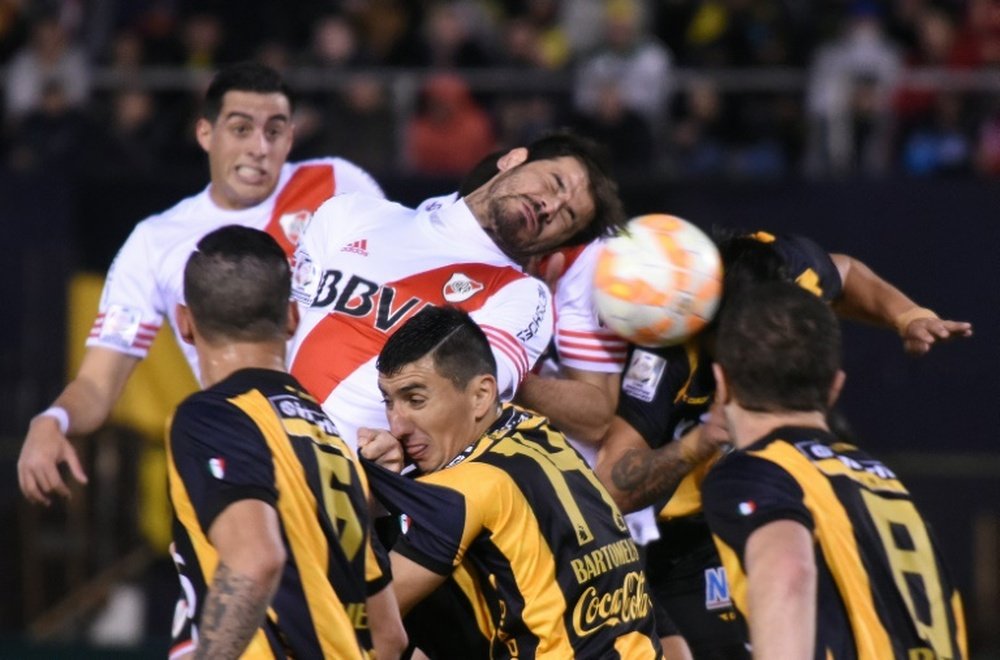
{"points": [[311, 254], [582, 342], [518, 321], [349, 178], [131, 309]]}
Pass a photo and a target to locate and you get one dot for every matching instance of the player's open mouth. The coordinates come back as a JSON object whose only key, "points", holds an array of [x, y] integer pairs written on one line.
{"points": [[250, 175]]}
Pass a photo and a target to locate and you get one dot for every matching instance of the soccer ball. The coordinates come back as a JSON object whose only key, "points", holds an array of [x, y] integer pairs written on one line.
{"points": [[659, 282]]}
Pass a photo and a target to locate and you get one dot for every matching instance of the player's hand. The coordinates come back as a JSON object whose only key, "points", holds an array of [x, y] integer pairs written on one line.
{"points": [[921, 334], [44, 450], [709, 437], [381, 447]]}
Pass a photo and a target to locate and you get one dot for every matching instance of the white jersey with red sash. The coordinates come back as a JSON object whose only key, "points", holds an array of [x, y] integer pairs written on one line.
{"points": [[145, 281], [364, 266]]}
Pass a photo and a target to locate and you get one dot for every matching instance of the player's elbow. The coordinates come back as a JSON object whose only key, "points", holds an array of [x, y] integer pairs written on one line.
{"points": [[390, 639], [796, 582], [265, 564], [593, 432], [802, 576]]}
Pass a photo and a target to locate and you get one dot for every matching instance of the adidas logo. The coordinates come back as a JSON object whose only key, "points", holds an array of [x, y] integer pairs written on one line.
{"points": [[357, 247]]}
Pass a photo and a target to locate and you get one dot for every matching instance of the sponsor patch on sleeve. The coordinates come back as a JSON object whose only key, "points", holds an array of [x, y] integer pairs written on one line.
{"points": [[304, 277], [644, 373], [120, 326]]}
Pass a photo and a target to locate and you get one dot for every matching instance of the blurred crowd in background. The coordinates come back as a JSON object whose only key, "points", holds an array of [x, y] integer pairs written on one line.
{"points": [[676, 88]]}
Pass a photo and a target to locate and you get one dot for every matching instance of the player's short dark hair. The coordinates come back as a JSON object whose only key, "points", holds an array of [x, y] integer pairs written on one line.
{"points": [[747, 260], [457, 345], [237, 285], [242, 77], [780, 348], [609, 213]]}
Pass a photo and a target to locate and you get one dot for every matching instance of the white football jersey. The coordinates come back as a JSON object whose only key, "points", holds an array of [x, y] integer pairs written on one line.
{"points": [[146, 279], [582, 342], [365, 266]]}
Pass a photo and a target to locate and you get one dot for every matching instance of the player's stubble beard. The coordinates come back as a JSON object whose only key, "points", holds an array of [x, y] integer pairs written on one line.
{"points": [[505, 228]]}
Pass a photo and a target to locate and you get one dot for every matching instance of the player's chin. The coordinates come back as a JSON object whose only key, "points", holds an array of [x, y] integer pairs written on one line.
{"points": [[252, 195]]}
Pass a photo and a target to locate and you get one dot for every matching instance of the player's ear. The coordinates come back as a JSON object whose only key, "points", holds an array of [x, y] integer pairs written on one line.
{"points": [[483, 389], [185, 324], [722, 392], [836, 387], [203, 133], [293, 318], [512, 158]]}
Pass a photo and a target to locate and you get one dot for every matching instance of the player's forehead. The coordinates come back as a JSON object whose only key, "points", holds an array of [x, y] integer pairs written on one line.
{"points": [[569, 167], [419, 376], [259, 106]]}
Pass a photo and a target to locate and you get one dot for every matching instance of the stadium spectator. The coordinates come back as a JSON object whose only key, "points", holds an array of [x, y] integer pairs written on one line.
{"points": [[202, 38], [936, 47], [629, 54], [128, 139], [457, 35], [48, 62], [523, 114], [625, 131], [941, 144], [451, 132], [851, 81], [49, 135]]}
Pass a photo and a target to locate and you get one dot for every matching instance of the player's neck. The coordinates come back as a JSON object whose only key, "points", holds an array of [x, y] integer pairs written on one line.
{"points": [[748, 426], [219, 362]]}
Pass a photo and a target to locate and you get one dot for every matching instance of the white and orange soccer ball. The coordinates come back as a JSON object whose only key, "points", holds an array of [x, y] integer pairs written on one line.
{"points": [[659, 282]]}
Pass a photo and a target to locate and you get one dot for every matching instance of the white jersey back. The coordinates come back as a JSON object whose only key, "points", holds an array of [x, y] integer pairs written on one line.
{"points": [[365, 266], [145, 281]]}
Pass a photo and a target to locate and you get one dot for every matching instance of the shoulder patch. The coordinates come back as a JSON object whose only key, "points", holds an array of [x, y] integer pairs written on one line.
{"points": [[644, 373], [120, 325]]}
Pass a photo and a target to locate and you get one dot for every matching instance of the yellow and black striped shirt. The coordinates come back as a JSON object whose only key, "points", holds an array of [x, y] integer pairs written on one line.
{"points": [[554, 560], [257, 435], [883, 591]]}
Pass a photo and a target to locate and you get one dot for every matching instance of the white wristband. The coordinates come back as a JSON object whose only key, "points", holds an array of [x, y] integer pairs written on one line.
{"points": [[59, 414]]}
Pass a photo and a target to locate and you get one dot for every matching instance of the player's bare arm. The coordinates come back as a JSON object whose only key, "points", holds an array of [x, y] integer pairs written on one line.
{"points": [[869, 298], [87, 401], [781, 590], [388, 635], [636, 475], [235, 607], [251, 558], [582, 404], [411, 582]]}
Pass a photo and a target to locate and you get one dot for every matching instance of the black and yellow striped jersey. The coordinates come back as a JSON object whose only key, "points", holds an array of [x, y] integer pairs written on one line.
{"points": [[258, 435], [558, 570], [882, 589], [665, 391], [806, 263]]}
